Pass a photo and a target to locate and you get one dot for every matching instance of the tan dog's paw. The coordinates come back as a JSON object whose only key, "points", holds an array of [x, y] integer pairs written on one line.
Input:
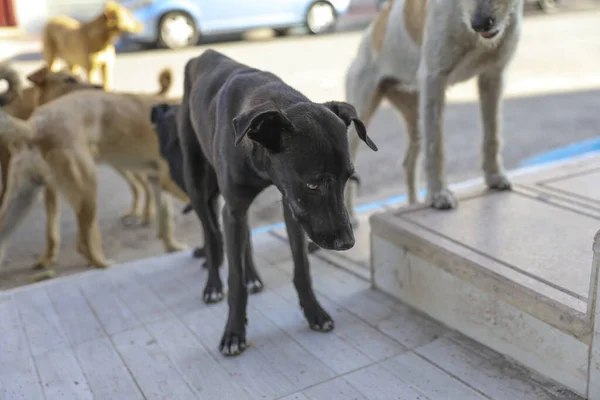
{"points": [[148, 218], [443, 200], [103, 264], [42, 263], [175, 246], [498, 182], [131, 219]]}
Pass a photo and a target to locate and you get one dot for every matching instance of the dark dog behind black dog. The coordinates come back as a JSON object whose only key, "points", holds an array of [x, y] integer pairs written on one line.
{"points": [[164, 118], [242, 130]]}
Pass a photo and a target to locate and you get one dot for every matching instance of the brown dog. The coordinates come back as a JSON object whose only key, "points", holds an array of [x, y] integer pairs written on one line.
{"points": [[57, 149], [21, 103], [88, 46]]}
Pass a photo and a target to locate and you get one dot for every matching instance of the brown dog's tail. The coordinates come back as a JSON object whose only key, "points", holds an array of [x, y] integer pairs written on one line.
{"points": [[10, 75], [165, 81]]}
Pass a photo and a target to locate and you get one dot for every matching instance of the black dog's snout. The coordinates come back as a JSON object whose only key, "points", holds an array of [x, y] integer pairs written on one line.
{"points": [[344, 241], [482, 24]]}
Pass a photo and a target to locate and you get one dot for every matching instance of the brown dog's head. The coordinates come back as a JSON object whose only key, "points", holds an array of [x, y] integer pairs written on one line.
{"points": [[120, 20], [51, 85]]}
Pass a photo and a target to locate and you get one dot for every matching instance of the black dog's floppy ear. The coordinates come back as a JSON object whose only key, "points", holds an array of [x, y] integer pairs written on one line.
{"points": [[263, 124], [347, 113], [158, 110]]}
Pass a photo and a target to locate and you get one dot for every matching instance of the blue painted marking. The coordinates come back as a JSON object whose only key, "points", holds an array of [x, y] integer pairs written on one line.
{"points": [[563, 153]]}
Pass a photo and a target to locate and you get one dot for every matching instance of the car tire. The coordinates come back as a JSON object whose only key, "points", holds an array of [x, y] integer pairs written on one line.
{"points": [[177, 20], [320, 18], [279, 32], [547, 5]]}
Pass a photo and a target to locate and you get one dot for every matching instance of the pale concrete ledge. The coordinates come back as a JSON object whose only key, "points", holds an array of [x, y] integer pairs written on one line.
{"points": [[514, 270]]}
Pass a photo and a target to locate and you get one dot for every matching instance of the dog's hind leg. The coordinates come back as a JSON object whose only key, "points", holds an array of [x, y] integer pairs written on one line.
{"points": [[5, 164], [76, 176], [253, 281], [363, 92], [49, 51], [52, 229], [165, 227], [490, 97], [204, 197], [150, 205], [408, 105], [15, 208], [135, 212]]}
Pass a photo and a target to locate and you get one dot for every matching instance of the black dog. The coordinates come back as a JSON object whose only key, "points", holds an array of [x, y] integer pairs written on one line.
{"points": [[163, 116], [242, 130]]}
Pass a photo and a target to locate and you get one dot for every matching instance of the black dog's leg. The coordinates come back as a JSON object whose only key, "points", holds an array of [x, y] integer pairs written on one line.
{"points": [[202, 187], [253, 281], [317, 317], [236, 238]]}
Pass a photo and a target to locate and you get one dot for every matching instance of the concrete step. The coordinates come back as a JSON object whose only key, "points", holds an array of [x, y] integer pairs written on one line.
{"points": [[513, 270]]}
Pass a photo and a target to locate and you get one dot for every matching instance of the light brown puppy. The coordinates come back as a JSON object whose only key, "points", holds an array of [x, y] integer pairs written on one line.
{"points": [[88, 46], [57, 150], [20, 103]]}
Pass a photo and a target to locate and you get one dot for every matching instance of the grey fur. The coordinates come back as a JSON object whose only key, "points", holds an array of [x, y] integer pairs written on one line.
{"points": [[415, 78]]}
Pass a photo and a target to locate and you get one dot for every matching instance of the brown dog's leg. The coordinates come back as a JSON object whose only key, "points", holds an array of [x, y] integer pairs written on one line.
{"points": [[166, 228], [52, 229], [408, 104], [76, 173], [5, 164], [135, 212], [150, 207], [106, 76]]}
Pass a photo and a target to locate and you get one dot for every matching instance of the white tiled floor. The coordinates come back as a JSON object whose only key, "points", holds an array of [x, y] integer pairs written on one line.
{"points": [[141, 331]]}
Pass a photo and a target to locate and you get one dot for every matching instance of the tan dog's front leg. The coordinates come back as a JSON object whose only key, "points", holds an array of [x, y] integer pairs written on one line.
{"points": [[107, 76], [52, 229], [165, 217], [490, 86], [432, 98]]}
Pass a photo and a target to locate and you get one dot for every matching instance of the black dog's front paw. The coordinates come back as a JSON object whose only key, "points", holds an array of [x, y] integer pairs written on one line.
{"points": [[319, 320], [232, 344], [213, 294]]}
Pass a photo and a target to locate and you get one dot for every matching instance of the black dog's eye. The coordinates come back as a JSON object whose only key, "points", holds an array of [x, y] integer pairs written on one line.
{"points": [[312, 186]]}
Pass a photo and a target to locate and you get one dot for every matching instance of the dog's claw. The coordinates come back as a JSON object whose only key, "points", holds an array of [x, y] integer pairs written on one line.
{"points": [[319, 320], [232, 344], [212, 295], [443, 200], [498, 182], [254, 285]]}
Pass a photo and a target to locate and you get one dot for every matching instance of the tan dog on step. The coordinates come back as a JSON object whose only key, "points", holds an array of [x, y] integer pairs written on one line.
{"points": [[20, 103], [57, 150], [410, 54], [88, 46]]}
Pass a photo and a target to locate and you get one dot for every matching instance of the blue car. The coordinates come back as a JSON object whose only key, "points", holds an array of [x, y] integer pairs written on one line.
{"points": [[179, 23]]}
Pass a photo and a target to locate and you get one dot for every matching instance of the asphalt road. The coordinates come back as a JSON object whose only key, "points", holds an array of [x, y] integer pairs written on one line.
{"points": [[552, 99]]}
